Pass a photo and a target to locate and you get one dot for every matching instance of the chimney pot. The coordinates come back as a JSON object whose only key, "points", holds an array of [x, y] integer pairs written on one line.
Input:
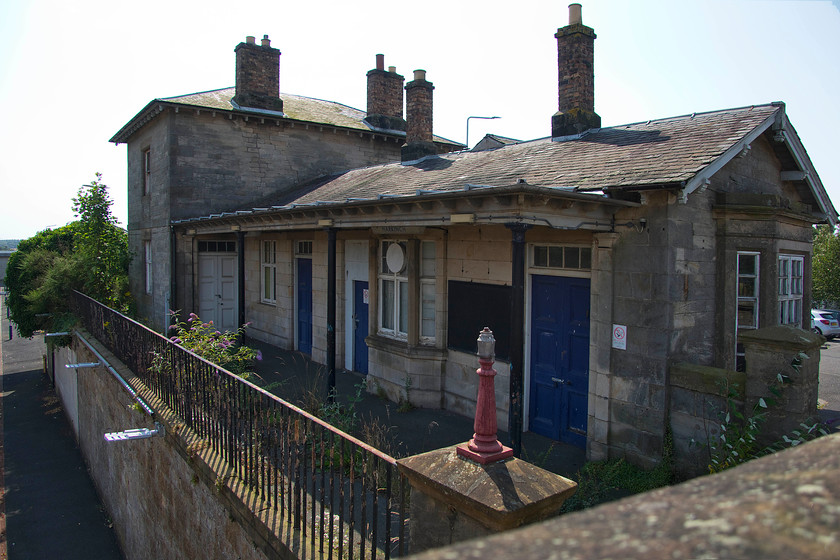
{"points": [[251, 40], [575, 15], [265, 41], [380, 62], [420, 75], [392, 69]]}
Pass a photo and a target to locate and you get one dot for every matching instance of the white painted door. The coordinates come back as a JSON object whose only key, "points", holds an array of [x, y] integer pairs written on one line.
{"points": [[217, 290]]}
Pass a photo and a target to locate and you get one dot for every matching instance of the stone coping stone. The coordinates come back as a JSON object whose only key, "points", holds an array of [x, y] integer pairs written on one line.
{"points": [[779, 507], [500, 496]]}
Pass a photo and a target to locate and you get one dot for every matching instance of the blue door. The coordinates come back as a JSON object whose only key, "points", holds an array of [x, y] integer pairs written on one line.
{"points": [[360, 326], [304, 305], [559, 358]]}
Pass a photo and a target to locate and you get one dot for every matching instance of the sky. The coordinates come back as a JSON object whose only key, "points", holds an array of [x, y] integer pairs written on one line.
{"points": [[73, 73]]}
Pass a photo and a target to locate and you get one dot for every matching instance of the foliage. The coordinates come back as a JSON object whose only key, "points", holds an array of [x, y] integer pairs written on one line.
{"points": [[604, 481], [738, 438], [101, 246], [826, 267], [221, 348], [90, 255]]}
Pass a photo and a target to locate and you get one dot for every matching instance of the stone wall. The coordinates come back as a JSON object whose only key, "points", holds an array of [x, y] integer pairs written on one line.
{"points": [[168, 496]]}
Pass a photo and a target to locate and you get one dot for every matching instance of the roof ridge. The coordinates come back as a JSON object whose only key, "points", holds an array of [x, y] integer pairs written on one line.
{"points": [[774, 105]]}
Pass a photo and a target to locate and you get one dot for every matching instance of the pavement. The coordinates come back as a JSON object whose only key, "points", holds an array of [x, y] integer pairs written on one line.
{"points": [[50, 506], [390, 428]]}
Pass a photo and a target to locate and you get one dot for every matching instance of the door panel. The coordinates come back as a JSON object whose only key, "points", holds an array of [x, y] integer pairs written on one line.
{"points": [[304, 305], [360, 326], [217, 290], [559, 381]]}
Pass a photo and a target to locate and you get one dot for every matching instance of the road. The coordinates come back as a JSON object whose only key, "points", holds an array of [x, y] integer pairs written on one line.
{"points": [[830, 382]]}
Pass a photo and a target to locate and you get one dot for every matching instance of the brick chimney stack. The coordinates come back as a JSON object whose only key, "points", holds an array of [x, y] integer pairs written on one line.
{"points": [[385, 97], [418, 112], [258, 75], [576, 77]]}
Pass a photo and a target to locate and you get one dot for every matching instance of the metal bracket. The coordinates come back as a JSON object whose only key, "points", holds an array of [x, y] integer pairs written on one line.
{"points": [[136, 433]]}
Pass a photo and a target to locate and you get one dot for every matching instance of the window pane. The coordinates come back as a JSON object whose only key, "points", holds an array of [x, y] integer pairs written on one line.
{"points": [[388, 304], [427, 309], [572, 257], [403, 310], [746, 314], [555, 257], [746, 287], [541, 256], [427, 266], [586, 258], [746, 264]]}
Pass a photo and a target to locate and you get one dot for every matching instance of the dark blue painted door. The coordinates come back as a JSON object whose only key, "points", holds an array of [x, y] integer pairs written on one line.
{"points": [[304, 305], [559, 386], [360, 326]]}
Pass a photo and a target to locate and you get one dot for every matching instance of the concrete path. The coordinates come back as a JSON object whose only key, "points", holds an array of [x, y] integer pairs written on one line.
{"points": [[51, 507]]}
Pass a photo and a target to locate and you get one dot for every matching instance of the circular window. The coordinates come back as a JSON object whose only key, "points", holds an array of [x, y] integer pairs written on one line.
{"points": [[395, 257]]}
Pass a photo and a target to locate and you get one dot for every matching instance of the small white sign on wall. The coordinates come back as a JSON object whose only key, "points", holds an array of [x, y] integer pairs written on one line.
{"points": [[619, 337], [365, 296]]}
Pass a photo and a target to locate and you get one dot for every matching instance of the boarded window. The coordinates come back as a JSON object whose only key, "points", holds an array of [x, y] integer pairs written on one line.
{"points": [[473, 306]]}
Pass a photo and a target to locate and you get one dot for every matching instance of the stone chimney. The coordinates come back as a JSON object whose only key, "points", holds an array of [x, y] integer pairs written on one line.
{"points": [[385, 97], [258, 75], [418, 112], [576, 78]]}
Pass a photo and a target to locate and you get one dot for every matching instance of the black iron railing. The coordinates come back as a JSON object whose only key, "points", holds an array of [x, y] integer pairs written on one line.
{"points": [[344, 498]]}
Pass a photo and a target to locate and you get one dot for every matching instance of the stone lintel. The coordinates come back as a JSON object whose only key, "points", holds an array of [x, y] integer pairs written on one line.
{"points": [[500, 496], [781, 336]]}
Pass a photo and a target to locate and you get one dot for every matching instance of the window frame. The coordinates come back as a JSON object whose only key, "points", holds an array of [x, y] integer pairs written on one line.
{"points": [[147, 266], [268, 268], [754, 299], [427, 306], [791, 289], [146, 162], [398, 281]]}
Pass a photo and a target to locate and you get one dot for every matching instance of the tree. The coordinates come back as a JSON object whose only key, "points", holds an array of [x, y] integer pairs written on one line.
{"points": [[89, 255], [826, 267]]}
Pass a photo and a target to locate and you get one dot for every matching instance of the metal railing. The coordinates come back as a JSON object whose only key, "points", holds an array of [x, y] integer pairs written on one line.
{"points": [[342, 496]]}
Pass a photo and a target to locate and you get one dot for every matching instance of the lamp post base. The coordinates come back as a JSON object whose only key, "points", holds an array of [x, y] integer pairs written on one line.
{"points": [[484, 458]]}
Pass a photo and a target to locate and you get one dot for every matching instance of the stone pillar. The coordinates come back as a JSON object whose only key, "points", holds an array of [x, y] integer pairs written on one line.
{"points": [[600, 347], [454, 499], [771, 351]]}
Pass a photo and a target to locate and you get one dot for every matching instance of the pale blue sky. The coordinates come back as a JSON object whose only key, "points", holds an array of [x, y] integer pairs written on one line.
{"points": [[72, 73]]}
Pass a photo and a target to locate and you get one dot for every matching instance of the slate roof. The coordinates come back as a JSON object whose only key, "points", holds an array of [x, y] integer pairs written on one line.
{"points": [[295, 107], [646, 154]]}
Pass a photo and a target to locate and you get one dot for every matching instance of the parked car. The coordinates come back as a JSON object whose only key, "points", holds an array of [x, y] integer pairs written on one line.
{"points": [[825, 322]]}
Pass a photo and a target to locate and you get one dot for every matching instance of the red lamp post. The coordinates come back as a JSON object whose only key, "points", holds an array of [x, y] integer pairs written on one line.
{"points": [[484, 447]]}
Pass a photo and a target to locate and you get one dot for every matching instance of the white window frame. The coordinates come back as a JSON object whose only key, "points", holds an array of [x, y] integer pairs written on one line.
{"points": [[394, 323], [428, 292], [268, 272], [561, 257], [147, 266], [791, 288], [147, 171], [746, 298]]}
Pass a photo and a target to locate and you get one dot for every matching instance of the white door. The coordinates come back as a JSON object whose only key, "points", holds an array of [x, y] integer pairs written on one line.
{"points": [[217, 290]]}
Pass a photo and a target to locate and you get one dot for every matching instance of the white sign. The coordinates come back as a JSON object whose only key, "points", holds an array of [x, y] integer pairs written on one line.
{"points": [[619, 337], [365, 296]]}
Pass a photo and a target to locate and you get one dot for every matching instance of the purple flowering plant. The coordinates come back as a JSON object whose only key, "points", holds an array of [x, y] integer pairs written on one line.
{"points": [[222, 348]]}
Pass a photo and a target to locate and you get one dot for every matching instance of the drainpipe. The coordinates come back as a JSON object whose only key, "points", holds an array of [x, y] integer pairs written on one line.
{"points": [[173, 275], [517, 335], [240, 247], [331, 297]]}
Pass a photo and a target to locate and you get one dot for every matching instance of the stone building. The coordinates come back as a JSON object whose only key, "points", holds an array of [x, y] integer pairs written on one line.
{"points": [[599, 256], [215, 151]]}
